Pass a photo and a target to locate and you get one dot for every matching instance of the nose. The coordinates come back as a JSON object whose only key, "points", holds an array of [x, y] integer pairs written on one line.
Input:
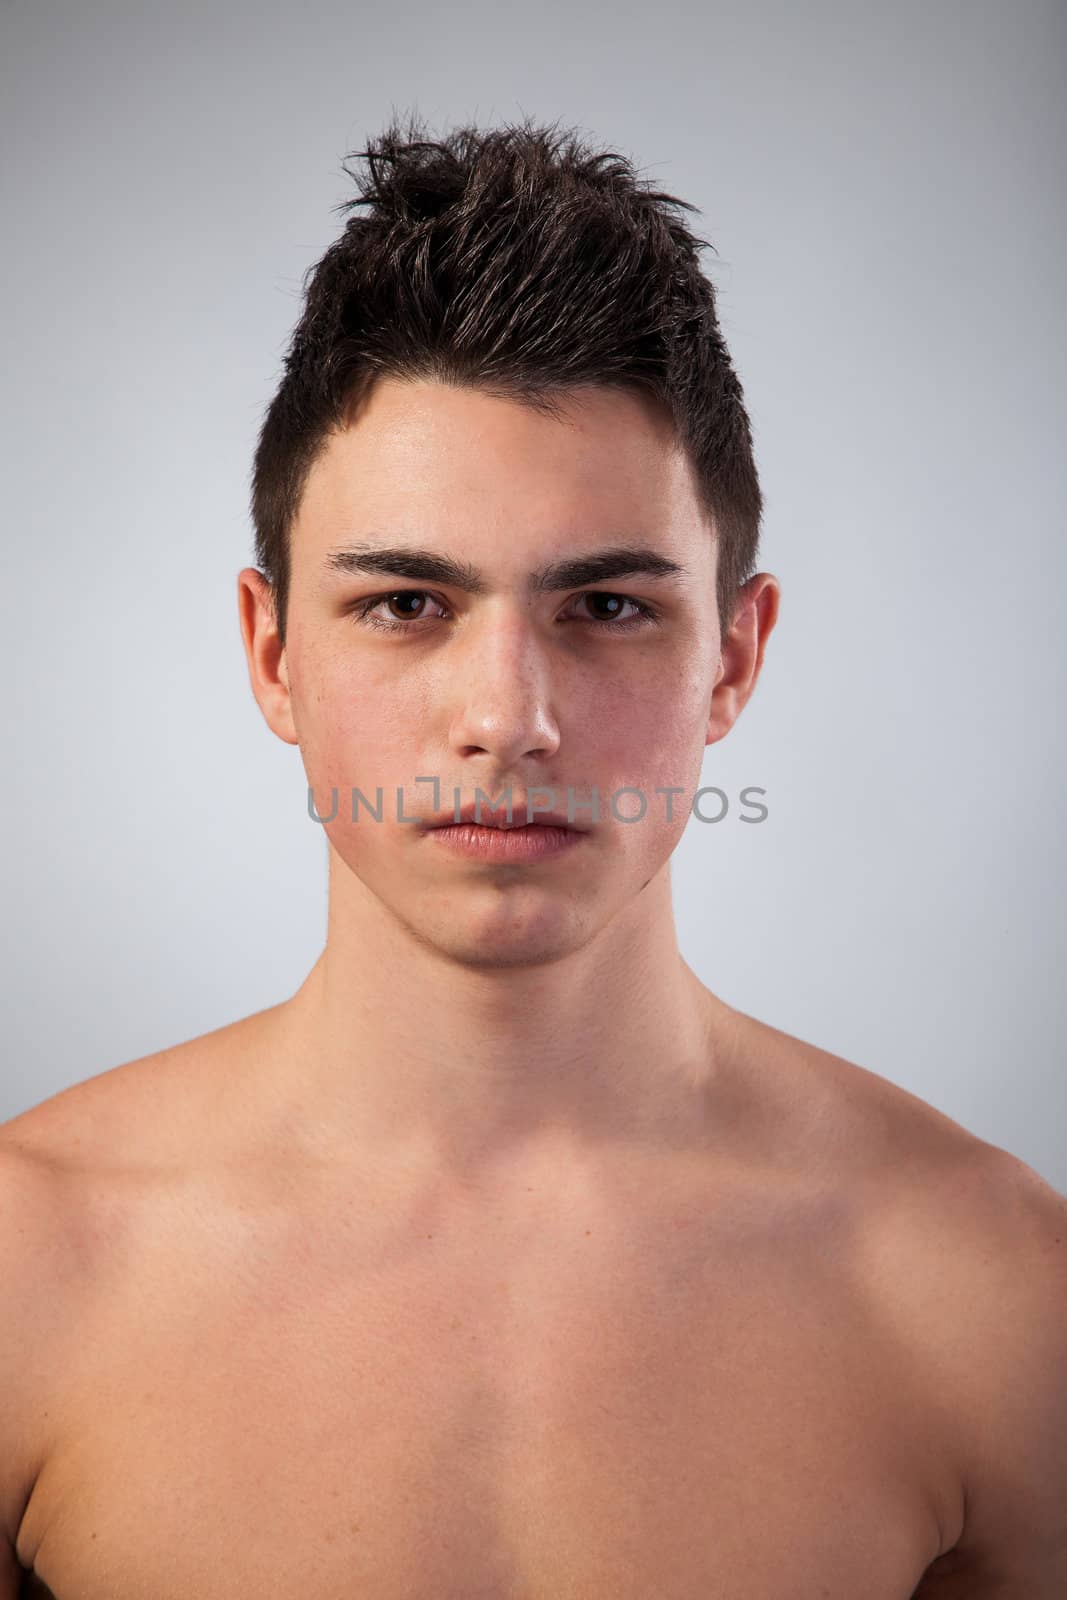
{"points": [[500, 685]]}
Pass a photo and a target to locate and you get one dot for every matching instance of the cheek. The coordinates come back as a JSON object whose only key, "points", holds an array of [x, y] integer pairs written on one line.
{"points": [[649, 738], [355, 725], [649, 728], [642, 725]]}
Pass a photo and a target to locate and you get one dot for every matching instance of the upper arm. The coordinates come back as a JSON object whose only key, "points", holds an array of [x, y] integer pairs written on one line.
{"points": [[1008, 1346], [27, 1233], [10, 1573], [10, 1576]]}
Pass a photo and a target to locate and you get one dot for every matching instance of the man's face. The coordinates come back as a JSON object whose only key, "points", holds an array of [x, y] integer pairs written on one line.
{"points": [[533, 688]]}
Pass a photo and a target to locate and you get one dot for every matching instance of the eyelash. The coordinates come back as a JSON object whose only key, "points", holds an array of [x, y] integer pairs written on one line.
{"points": [[363, 610]]}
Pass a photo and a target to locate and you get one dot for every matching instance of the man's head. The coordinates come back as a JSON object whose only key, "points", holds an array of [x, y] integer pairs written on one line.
{"points": [[511, 365], [520, 262]]}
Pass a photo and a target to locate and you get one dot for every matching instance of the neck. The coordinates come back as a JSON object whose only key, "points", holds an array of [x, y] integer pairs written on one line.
{"points": [[395, 1047]]}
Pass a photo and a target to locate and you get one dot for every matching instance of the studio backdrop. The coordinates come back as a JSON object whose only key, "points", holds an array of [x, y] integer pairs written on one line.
{"points": [[882, 189]]}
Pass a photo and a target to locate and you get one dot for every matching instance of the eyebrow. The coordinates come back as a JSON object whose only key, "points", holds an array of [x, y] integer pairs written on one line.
{"points": [[599, 566]]}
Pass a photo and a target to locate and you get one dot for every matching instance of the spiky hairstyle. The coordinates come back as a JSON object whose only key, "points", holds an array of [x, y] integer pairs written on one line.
{"points": [[521, 262]]}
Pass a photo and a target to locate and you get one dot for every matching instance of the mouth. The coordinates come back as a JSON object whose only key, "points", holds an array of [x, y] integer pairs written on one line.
{"points": [[501, 841], [483, 818]]}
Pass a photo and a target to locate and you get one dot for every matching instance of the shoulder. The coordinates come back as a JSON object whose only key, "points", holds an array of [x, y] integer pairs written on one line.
{"points": [[962, 1248], [992, 1276], [169, 1106], [825, 1114], [56, 1215], [79, 1171], [926, 1189], [41, 1259]]}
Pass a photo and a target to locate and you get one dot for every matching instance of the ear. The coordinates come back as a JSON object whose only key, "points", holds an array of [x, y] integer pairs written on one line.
{"points": [[741, 657], [268, 669]]}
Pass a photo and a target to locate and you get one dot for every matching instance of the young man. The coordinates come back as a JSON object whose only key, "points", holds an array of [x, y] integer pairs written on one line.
{"points": [[505, 1259]]}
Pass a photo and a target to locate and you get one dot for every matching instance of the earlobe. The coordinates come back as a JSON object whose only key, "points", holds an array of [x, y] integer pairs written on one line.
{"points": [[721, 716], [280, 719], [714, 730], [741, 654], [268, 670]]}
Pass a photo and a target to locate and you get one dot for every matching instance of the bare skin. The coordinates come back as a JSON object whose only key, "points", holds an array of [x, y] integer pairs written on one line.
{"points": [[505, 1259], [780, 1361]]}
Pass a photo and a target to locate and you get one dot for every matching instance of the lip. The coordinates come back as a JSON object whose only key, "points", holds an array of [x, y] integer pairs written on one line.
{"points": [[483, 816], [538, 841]]}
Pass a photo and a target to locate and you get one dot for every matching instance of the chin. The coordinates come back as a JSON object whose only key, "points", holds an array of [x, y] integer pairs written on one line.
{"points": [[500, 938], [477, 958]]}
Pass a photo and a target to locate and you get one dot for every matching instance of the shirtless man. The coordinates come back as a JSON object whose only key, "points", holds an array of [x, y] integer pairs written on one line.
{"points": [[505, 1260]]}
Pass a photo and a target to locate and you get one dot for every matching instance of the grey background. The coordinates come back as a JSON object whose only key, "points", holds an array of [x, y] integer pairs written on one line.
{"points": [[884, 187]]}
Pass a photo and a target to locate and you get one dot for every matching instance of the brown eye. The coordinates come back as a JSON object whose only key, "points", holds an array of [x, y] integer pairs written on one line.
{"points": [[606, 607], [405, 610], [404, 598], [609, 609]]}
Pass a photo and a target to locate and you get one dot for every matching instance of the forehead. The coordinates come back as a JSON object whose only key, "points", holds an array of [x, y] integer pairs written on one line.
{"points": [[431, 461]]}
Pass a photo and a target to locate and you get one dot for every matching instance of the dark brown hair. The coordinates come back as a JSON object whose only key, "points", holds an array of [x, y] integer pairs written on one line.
{"points": [[521, 262]]}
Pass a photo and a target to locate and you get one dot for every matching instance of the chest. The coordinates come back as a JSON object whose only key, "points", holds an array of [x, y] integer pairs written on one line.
{"points": [[578, 1421]]}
